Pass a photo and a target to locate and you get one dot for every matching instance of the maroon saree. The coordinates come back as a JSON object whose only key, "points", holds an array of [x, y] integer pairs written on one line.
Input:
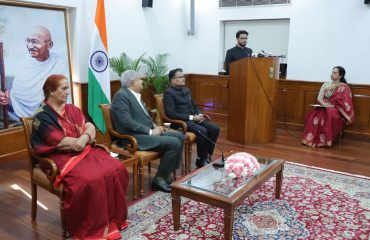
{"points": [[94, 183], [323, 124]]}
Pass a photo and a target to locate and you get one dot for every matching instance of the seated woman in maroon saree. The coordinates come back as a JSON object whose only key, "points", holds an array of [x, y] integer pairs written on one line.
{"points": [[94, 183], [325, 122]]}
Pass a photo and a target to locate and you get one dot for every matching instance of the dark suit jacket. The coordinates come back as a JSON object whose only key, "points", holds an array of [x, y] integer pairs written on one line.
{"points": [[234, 54], [128, 117], [178, 103]]}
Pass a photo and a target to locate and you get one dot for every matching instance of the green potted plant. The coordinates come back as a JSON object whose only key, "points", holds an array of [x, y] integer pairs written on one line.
{"points": [[157, 72], [124, 62]]}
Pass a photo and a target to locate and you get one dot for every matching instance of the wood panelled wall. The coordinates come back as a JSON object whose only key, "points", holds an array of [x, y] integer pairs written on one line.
{"points": [[211, 94], [294, 99]]}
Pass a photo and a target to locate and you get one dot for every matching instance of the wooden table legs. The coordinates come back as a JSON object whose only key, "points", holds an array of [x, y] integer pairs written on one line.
{"points": [[228, 222], [176, 203], [228, 210], [279, 181]]}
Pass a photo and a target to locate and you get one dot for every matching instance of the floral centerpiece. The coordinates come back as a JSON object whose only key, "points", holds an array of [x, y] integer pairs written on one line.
{"points": [[241, 164]]}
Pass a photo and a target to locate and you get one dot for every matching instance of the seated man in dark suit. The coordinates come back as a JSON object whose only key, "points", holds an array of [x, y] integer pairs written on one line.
{"points": [[179, 104], [129, 116]]}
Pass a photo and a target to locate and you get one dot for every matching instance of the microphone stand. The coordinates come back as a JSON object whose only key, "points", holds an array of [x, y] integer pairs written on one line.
{"points": [[216, 164]]}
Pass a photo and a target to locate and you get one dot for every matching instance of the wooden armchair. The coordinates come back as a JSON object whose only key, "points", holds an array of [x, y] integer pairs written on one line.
{"points": [[145, 157], [190, 137], [39, 178]]}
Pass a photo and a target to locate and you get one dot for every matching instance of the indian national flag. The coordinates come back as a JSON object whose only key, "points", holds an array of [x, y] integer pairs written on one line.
{"points": [[99, 82]]}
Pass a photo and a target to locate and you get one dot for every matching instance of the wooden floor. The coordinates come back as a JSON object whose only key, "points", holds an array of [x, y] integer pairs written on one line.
{"points": [[15, 205]]}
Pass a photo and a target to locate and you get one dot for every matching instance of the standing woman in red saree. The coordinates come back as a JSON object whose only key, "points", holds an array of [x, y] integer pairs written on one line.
{"points": [[94, 183], [324, 123]]}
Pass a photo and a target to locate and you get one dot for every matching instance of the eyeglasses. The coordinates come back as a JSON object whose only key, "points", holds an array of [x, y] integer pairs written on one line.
{"points": [[179, 77], [34, 41]]}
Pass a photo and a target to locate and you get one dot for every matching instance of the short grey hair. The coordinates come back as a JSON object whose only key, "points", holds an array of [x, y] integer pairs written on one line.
{"points": [[128, 76]]}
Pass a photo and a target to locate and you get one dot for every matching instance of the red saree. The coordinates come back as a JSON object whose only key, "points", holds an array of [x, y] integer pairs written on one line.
{"points": [[94, 183], [323, 124]]}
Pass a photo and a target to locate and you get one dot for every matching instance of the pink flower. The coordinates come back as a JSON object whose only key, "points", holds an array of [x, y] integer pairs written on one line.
{"points": [[241, 164]]}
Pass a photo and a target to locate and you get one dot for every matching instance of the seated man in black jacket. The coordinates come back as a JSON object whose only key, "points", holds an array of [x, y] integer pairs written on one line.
{"points": [[179, 104]]}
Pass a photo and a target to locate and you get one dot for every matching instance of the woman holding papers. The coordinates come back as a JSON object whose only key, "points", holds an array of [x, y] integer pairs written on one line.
{"points": [[326, 121]]}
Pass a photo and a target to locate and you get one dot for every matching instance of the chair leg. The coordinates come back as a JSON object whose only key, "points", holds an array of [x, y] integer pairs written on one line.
{"points": [[149, 167], [190, 152], [340, 137], [186, 156], [64, 226], [134, 176], [141, 174], [34, 201]]}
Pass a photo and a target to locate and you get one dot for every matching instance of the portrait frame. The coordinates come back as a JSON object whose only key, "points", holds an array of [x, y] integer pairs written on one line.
{"points": [[19, 23]]}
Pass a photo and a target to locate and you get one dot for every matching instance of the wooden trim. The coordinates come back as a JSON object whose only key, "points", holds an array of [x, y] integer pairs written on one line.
{"points": [[294, 97], [211, 94], [13, 145]]}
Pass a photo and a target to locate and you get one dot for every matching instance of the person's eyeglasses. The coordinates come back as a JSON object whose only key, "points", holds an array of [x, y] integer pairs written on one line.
{"points": [[179, 77], [34, 41]]}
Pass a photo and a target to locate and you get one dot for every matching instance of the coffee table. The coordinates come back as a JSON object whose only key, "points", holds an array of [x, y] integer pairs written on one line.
{"points": [[212, 186]]}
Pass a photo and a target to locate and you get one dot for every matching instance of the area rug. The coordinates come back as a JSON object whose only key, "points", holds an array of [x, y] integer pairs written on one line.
{"points": [[314, 204]]}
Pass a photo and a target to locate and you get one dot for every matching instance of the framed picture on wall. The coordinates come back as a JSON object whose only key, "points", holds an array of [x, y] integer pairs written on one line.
{"points": [[33, 45]]}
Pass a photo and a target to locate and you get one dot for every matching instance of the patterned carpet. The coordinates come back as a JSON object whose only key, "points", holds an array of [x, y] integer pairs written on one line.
{"points": [[315, 204]]}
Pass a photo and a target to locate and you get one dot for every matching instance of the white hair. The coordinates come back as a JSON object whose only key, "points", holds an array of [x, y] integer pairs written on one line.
{"points": [[128, 76]]}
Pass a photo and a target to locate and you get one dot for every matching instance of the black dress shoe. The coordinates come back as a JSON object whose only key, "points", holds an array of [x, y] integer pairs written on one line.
{"points": [[201, 162], [163, 187]]}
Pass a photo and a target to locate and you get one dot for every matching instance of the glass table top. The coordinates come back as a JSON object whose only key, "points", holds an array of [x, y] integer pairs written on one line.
{"points": [[215, 180]]}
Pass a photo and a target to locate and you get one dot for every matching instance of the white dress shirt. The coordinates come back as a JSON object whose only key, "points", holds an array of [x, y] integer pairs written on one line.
{"points": [[138, 98]]}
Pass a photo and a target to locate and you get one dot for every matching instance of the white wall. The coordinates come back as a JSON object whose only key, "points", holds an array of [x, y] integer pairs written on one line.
{"points": [[322, 34], [135, 30], [210, 30], [329, 33], [270, 36]]}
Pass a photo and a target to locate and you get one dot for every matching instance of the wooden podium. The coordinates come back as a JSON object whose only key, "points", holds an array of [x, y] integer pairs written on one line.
{"points": [[252, 96]]}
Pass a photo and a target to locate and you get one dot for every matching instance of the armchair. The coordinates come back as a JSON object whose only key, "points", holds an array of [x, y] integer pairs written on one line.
{"points": [[190, 137], [145, 157], [40, 178]]}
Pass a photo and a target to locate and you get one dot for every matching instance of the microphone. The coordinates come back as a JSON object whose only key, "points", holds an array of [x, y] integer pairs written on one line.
{"points": [[266, 54], [216, 164]]}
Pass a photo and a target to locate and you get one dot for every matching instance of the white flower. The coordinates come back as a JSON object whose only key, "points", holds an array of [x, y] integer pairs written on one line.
{"points": [[241, 165], [232, 175]]}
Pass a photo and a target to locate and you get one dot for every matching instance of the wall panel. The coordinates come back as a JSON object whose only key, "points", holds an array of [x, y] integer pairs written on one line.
{"points": [[211, 93]]}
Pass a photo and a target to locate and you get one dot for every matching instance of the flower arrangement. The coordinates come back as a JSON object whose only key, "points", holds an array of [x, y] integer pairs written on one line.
{"points": [[241, 164]]}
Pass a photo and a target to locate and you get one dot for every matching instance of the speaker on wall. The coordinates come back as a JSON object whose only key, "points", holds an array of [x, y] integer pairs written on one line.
{"points": [[147, 3], [367, 1]]}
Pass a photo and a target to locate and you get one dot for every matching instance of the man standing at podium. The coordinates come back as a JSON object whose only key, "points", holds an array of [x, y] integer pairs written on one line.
{"points": [[178, 104], [239, 51]]}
